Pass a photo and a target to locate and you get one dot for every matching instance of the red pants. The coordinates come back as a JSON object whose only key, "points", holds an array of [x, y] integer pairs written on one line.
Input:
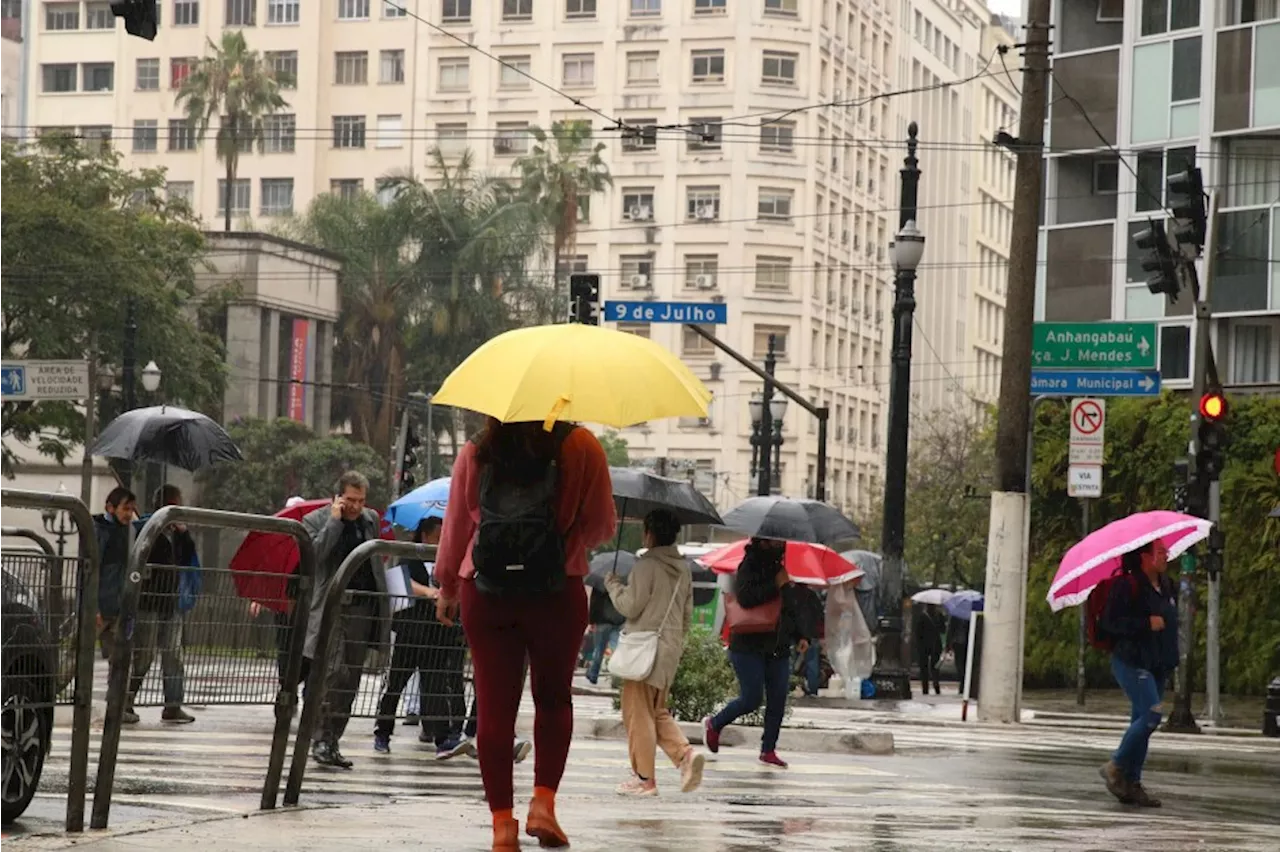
{"points": [[501, 632]]}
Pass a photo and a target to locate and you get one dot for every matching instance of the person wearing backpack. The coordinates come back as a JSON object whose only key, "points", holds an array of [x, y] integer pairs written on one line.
{"points": [[525, 504], [767, 616], [1139, 622]]}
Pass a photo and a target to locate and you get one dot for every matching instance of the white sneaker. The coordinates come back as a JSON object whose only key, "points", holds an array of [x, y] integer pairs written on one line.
{"points": [[691, 767], [635, 787]]}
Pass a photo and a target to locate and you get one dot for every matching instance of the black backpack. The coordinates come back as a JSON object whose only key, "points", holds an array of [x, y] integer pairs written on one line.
{"points": [[519, 548]]}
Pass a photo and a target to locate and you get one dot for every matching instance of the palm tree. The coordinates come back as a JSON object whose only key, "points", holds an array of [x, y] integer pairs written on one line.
{"points": [[558, 172], [234, 84]]}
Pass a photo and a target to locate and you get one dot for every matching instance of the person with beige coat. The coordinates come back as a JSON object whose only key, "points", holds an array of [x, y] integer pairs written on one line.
{"points": [[657, 597]]}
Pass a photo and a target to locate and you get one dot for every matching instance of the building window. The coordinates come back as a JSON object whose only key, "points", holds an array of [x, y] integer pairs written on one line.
{"points": [[277, 196], [147, 75], [1162, 16], [778, 137], [99, 76], [60, 17], [455, 74], [390, 132], [517, 10], [283, 11], [180, 191], [708, 66], [96, 138], [182, 135], [1154, 168], [240, 193], [646, 8], [1106, 177], [353, 10], [394, 10], [146, 135], [186, 13], [637, 271], [709, 7], [97, 16], [241, 13], [705, 134], [642, 68], [279, 133], [774, 205], [451, 139], [1175, 351], [579, 70], [179, 68], [348, 131], [773, 274], [637, 204], [702, 203], [346, 188], [785, 8], [640, 135], [387, 190], [580, 9], [700, 271], [694, 345], [391, 66], [515, 72], [1185, 85], [455, 11], [778, 68], [583, 206], [351, 68], [760, 341], [512, 138], [1251, 353], [639, 329], [284, 64]]}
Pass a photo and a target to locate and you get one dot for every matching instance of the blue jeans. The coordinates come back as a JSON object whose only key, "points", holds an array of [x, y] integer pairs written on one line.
{"points": [[759, 678], [810, 668], [1145, 692], [606, 636]]}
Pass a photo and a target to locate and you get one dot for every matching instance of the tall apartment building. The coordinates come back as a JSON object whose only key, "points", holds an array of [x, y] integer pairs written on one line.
{"points": [[1143, 89], [10, 67], [787, 221], [964, 96]]}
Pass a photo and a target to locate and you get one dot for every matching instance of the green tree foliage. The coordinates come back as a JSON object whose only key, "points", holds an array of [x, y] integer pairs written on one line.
{"points": [[233, 84], [81, 237], [615, 448], [283, 459]]}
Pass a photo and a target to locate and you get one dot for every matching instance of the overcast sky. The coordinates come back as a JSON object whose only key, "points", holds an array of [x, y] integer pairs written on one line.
{"points": [[1007, 7]]}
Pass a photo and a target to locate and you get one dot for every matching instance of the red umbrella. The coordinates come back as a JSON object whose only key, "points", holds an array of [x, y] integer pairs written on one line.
{"points": [[265, 561], [807, 563]]}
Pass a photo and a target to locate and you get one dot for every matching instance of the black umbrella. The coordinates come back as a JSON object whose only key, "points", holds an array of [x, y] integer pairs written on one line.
{"points": [[789, 519], [636, 493], [614, 560], [166, 433]]}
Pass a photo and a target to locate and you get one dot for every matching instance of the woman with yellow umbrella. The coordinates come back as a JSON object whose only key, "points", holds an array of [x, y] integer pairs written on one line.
{"points": [[529, 496]]}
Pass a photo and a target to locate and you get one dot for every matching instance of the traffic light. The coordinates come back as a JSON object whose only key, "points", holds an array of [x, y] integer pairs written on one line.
{"points": [[1186, 200], [1158, 259], [584, 298], [408, 460], [1211, 435], [140, 17]]}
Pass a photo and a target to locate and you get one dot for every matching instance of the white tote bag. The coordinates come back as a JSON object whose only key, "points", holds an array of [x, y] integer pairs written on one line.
{"points": [[637, 650]]}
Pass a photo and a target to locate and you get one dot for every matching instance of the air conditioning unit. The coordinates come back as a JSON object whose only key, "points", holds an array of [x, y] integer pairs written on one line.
{"points": [[640, 213], [705, 211], [704, 282], [639, 282], [502, 145]]}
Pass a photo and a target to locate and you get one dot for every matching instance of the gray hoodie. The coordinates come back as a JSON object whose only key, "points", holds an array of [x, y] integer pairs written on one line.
{"points": [[660, 580]]}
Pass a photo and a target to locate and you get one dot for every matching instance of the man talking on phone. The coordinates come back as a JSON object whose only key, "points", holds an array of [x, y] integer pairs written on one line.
{"points": [[336, 530]]}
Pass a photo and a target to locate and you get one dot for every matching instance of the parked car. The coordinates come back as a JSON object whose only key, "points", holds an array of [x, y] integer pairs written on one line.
{"points": [[27, 676]]}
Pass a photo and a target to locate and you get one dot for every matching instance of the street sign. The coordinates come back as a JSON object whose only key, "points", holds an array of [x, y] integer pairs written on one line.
{"points": [[1088, 421], [32, 380], [1084, 480], [699, 313], [1094, 345], [1099, 382]]}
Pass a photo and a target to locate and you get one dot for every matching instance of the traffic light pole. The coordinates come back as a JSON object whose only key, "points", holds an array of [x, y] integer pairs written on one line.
{"points": [[397, 470]]}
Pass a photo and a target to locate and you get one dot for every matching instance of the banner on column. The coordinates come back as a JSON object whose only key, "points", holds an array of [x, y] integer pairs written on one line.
{"points": [[299, 369]]}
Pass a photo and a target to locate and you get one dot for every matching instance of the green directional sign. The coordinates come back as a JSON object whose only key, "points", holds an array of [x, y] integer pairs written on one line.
{"points": [[1094, 345]]}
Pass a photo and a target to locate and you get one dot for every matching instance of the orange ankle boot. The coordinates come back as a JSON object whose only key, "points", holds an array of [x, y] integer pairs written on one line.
{"points": [[541, 822], [506, 835]]}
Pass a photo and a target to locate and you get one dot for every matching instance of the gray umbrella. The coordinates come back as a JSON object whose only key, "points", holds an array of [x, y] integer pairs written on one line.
{"points": [[791, 520], [166, 433], [613, 560], [870, 564], [636, 493]]}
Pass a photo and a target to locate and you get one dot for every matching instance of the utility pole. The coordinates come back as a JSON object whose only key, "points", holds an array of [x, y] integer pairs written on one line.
{"points": [[1004, 617], [128, 365], [1082, 638], [90, 424], [764, 483]]}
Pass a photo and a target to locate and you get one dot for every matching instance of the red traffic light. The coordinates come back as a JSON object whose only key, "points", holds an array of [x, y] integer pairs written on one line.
{"points": [[1213, 406]]}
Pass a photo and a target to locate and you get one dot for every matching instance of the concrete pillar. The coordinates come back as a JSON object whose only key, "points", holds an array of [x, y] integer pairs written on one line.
{"points": [[244, 357], [1000, 694], [271, 369], [324, 377]]}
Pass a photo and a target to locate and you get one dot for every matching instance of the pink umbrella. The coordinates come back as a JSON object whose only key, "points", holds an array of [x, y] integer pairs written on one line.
{"points": [[1097, 557]]}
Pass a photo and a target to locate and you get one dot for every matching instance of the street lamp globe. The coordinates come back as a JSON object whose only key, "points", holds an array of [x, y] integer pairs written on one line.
{"points": [[151, 377], [756, 406], [907, 248], [778, 408]]}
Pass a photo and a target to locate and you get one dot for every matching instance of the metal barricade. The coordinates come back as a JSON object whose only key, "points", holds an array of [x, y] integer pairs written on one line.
{"points": [[215, 663], [371, 612], [49, 645]]}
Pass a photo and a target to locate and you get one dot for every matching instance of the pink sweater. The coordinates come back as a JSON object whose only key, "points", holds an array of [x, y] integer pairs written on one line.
{"points": [[585, 512]]}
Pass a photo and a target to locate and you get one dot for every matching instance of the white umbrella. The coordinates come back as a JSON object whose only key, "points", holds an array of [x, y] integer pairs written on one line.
{"points": [[932, 596]]}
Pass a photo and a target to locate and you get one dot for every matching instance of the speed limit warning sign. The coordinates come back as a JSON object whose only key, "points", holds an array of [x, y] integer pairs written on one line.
{"points": [[1088, 423]]}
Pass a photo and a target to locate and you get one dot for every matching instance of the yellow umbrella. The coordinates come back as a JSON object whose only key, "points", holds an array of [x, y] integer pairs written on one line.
{"points": [[574, 372]]}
